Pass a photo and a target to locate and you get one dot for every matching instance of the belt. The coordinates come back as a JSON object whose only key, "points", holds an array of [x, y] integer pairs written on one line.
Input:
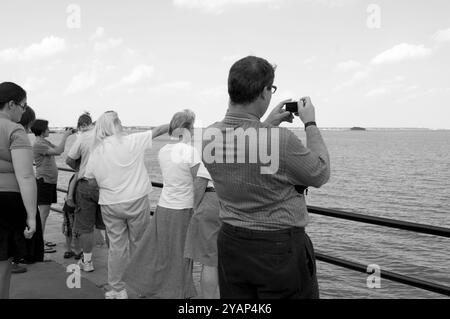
{"points": [[210, 189]]}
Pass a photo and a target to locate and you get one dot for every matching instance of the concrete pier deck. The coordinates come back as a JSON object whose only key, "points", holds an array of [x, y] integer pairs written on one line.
{"points": [[48, 280]]}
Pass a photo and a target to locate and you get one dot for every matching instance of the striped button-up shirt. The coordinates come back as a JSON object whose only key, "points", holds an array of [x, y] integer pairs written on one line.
{"points": [[255, 181]]}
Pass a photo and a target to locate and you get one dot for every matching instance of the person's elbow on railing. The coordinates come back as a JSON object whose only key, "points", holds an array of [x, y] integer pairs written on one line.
{"points": [[160, 130]]}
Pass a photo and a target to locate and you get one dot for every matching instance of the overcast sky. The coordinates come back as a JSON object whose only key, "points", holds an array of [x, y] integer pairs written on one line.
{"points": [[382, 65]]}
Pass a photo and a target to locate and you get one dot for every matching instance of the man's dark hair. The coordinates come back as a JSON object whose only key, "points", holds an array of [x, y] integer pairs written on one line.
{"points": [[11, 92], [39, 127], [28, 117], [85, 119], [247, 79]]}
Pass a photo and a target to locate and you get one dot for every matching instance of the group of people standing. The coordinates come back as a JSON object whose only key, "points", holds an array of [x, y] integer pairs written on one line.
{"points": [[247, 229]]}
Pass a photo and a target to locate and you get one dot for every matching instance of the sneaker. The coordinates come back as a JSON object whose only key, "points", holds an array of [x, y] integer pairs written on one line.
{"points": [[87, 267], [16, 269], [112, 294]]}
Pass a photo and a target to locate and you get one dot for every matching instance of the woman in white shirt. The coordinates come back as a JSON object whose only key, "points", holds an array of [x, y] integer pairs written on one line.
{"points": [[159, 269], [116, 162]]}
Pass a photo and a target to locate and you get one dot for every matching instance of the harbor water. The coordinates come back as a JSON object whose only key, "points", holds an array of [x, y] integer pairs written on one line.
{"points": [[398, 174]]}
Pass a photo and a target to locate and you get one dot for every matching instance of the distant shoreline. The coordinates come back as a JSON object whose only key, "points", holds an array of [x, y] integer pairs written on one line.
{"points": [[144, 128]]}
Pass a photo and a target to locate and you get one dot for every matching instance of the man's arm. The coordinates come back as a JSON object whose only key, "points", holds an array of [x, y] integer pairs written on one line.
{"points": [[310, 165]]}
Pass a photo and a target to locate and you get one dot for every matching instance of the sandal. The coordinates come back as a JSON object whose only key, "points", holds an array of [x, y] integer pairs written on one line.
{"points": [[50, 244], [69, 254]]}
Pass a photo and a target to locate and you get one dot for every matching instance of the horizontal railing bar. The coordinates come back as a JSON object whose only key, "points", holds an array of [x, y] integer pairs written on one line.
{"points": [[62, 190], [56, 210], [426, 285], [387, 222], [66, 169], [380, 221], [389, 275]]}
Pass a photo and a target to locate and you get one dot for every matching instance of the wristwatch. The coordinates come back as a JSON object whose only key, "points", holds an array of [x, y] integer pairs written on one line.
{"points": [[309, 124]]}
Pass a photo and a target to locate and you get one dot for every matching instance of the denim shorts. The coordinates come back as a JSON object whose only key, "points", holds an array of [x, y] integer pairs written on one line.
{"points": [[69, 217], [87, 212]]}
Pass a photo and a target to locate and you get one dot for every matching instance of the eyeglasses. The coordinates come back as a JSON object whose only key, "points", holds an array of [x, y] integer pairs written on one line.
{"points": [[273, 88], [24, 107]]}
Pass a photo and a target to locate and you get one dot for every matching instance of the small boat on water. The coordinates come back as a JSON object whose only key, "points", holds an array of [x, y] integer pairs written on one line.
{"points": [[356, 128]]}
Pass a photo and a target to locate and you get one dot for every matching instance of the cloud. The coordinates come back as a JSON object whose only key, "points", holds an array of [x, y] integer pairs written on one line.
{"points": [[49, 46], [81, 82], [442, 36], [402, 52], [218, 6], [139, 73], [377, 92], [109, 44], [356, 78], [177, 85], [348, 66], [436, 93], [99, 33], [34, 83]]}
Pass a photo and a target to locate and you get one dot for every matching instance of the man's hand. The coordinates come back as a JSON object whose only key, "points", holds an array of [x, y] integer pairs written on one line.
{"points": [[278, 115], [306, 110]]}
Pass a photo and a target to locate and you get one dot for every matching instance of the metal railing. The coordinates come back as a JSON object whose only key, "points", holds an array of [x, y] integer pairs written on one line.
{"points": [[380, 221]]}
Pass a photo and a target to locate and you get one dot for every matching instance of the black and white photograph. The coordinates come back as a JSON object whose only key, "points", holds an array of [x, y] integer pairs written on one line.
{"points": [[235, 151]]}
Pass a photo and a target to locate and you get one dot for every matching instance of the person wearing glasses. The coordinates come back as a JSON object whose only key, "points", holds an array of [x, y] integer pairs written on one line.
{"points": [[44, 153], [263, 250], [17, 182]]}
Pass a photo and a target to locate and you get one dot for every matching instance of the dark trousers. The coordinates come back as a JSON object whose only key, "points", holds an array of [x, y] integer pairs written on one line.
{"points": [[35, 245], [266, 264]]}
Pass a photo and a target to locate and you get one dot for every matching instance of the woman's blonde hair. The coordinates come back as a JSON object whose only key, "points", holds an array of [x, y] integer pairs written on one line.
{"points": [[108, 124], [181, 121]]}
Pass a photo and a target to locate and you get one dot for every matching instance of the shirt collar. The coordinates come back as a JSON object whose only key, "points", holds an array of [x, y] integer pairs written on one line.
{"points": [[237, 116]]}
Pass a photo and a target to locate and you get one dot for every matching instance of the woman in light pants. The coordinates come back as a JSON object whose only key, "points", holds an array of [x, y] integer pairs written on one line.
{"points": [[116, 163], [125, 224]]}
